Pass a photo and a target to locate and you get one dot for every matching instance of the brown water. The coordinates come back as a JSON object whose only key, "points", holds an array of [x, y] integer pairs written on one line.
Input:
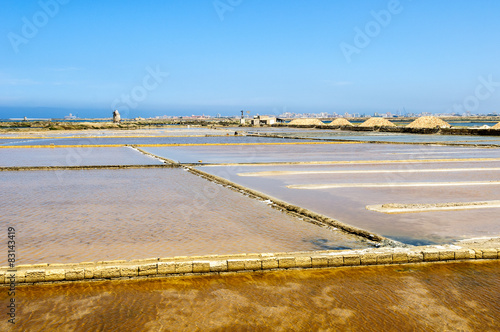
{"points": [[349, 204], [430, 297], [91, 215], [77, 156], [316, 152]]}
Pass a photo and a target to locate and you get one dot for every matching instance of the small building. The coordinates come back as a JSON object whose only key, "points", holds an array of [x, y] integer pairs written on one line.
{"points": [[263, 120]]}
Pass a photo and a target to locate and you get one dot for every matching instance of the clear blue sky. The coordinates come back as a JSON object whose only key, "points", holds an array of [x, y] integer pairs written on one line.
{"points": [[265, 56]]}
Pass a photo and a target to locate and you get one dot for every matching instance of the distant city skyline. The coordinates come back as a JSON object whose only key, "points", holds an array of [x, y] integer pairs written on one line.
{"points": [[268, 57], [248, 114]]}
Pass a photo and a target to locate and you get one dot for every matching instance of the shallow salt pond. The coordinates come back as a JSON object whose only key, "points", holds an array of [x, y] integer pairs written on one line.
{"points": [[316, 152], [75, 156], [425, 297], [396, 137], [472, 181], [110, 140], [92, 215], [89, 215], [374, 136], [163, 131]]}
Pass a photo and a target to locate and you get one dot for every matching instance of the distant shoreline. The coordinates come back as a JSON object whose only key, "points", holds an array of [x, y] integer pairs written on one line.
{"points": [[459, 124]]}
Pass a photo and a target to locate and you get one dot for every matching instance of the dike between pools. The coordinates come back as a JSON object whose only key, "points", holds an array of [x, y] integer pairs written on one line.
{"points": [[227, 264]]}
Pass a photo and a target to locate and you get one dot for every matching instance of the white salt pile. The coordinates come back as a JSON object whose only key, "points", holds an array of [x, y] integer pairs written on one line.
{"points": [[377, 122], [428, 122], [306, 122]]}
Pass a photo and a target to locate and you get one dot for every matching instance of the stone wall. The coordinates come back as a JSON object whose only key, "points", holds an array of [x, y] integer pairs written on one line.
{"points": [[223, 264]]}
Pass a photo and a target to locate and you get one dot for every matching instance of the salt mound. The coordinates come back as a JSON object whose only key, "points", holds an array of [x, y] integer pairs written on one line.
{"points": [[428, 122], [497, 126], [340, 122], [306, 122], [377, 122]]}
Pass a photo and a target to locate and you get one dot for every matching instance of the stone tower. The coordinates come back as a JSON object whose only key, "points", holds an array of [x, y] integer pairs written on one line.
{"points": [[116, 116]]}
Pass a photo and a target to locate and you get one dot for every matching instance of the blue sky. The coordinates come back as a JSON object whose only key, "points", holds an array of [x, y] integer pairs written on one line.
{"points": [[183, 57]]}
